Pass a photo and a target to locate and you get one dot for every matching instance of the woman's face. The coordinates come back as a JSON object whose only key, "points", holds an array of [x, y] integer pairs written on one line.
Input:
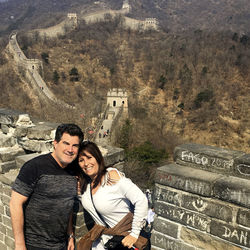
{"points": [[88, 164]]}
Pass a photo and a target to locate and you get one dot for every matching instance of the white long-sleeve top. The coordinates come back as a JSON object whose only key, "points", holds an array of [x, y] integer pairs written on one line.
{"points": [[113, 202]]}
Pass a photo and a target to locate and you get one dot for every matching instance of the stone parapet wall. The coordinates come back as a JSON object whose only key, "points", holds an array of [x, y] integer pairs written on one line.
{"points": [[6, 234], [22, 139], [202, 200]]}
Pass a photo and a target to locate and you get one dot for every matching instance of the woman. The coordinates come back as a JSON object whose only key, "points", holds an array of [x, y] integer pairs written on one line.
{"points": [[107, 195]]}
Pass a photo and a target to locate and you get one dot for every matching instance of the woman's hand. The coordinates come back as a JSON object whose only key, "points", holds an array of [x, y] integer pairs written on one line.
{"points": [[129, 241]]}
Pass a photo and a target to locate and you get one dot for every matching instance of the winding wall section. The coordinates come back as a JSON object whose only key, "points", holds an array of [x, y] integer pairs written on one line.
{"points": [[32, 67]]}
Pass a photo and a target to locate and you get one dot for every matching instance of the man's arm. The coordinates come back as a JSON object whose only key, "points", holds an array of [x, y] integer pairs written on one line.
{"points": [[17, 218], [71, 241]]}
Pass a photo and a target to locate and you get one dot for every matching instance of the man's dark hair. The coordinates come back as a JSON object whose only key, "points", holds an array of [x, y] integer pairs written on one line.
{"points": [[70, 129]]}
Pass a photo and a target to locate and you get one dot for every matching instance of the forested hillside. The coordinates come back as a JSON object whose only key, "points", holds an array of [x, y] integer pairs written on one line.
{"points": [[189, 87]]}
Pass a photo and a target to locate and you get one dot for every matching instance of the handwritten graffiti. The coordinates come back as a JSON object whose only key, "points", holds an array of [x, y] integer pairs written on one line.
{"points": [[235, 234], [197, 221], [195, 158], [199, 205], [184, 217], [168, 196], [206, 161], [244, 169]]}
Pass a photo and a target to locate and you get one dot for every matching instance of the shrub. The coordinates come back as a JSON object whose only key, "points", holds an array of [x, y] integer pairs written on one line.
{"points": [[55, 77], [203, 96], [74, 75], [45, 57], [147, 153]]}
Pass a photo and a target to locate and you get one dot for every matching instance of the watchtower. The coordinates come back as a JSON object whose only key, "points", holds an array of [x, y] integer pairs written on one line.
{"points": [[72, 17], [117, 98], [126, 7]]}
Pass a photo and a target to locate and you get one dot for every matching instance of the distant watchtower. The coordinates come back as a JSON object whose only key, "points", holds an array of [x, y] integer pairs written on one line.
{"points": [[151, 23], [117, 98], [126, 7], [72, 17]]}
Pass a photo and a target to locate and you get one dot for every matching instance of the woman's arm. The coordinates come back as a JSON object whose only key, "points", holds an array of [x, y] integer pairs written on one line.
{"points": [[139, 200], [140, 203]]}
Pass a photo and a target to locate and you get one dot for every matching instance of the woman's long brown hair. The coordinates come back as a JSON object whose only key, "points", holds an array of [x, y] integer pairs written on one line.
{"points": [[94, 150]]}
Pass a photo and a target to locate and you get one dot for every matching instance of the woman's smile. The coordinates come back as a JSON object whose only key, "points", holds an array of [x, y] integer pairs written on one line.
{"points": [[88, 164]]}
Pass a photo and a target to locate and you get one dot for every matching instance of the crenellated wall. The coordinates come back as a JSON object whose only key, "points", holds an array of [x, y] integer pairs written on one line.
{"points": [[202, 200], [31, 70], [21, 139]]}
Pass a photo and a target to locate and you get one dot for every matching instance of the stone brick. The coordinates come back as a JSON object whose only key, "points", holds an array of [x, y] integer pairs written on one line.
{"points": [[5, 129], [7, 211], [80, 231], [188, 179], [3, 246], [210, 158], [166, 243], [9, 154], [36, 145], [10, 242], [5, 200], [7, 141], [234, 234], [242, 166], [207, 206], [21, 131], [243, 217], [20, 160], [6, 190], [204, 241], [9, 177], [6, 221], [7, 166], [2, 229], [1, 238], [41, 132], [112, 155], [183, 216], [2, 208], [233, 189], [169, 228], [9, 232], [168, 194]]}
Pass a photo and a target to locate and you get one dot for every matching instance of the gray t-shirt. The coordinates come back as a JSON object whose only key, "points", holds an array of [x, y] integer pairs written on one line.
{"points": [[52, 191]]}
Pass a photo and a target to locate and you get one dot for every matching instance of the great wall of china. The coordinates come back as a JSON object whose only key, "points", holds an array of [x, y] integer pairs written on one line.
{"points": [[32, 69], [202, 199]]}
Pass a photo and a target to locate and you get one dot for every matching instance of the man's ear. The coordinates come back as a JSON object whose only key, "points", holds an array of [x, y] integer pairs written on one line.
{"points": [[55, 143]]}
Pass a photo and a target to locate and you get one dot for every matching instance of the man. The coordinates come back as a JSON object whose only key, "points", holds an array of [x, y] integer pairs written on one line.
{"points": [[43, 196]]}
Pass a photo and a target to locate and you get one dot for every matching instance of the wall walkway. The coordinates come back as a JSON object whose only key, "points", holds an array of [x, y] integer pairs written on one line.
{"points": [[103, 134], [32, 67]]}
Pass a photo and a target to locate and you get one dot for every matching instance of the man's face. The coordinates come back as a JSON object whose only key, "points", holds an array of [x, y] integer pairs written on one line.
{"points": [[65, 151]]}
